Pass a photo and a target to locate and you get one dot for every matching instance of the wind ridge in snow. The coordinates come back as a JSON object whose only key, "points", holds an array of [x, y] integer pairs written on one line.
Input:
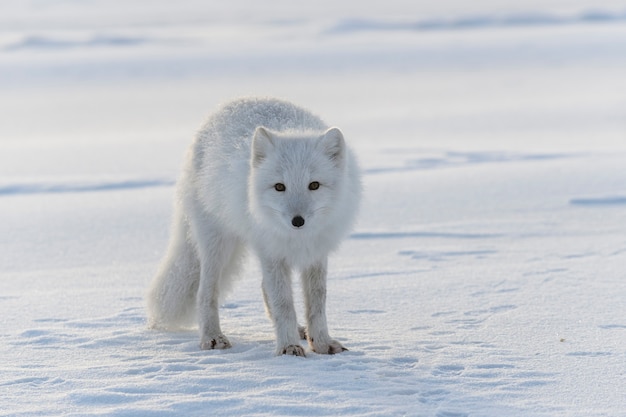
{"points": [[51, 42], [412, 235], [599, 201], [479, 22], [80, 186]]}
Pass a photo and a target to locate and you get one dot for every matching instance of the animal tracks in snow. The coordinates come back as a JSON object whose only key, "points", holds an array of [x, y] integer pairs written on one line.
{"points": [[123, 368]]}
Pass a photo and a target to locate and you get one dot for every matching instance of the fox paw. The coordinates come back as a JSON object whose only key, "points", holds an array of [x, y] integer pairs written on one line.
{"points": [[218, 342], [295, 350], [329, 348]]}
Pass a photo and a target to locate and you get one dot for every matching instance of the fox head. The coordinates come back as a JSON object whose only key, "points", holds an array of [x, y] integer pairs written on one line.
{"points": [[295, 178]]}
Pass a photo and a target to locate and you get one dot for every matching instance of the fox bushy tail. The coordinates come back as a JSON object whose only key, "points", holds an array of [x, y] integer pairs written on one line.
{"points": [[172, 294]]}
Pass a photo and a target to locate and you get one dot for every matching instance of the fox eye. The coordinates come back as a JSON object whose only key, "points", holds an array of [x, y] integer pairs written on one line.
{"points": [[279, 187], [314, 186]]}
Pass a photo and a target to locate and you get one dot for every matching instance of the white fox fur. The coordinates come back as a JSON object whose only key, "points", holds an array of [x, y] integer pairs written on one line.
{"points": [[268, 175]]}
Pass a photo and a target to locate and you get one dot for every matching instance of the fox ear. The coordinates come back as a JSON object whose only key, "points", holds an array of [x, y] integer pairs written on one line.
{"points": [[262, 142], [334, 145]]}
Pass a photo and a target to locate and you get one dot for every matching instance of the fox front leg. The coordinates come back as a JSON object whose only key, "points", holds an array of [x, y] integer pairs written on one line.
{"points": [[278, 297], [211, 336], [314, 286]]}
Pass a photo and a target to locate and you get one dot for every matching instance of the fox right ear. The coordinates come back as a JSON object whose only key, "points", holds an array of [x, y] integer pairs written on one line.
{"points": [[262, 141], [334, 145]]}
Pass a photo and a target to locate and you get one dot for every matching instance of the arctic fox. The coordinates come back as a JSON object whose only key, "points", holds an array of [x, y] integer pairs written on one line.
{"points": [[268, 175]]}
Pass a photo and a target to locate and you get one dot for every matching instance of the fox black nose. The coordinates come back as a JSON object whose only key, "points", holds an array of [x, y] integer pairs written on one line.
{"points": [[297, 221]]}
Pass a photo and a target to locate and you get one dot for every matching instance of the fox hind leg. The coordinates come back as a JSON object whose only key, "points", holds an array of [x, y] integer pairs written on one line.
{"points": [[220, 256]]}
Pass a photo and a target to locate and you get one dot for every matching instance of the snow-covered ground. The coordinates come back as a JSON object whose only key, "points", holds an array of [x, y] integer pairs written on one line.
{"points": [[487, 273]]}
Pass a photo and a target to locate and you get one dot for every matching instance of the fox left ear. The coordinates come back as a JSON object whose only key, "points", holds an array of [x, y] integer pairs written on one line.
{"points": [[334, 145], [262, 142]]}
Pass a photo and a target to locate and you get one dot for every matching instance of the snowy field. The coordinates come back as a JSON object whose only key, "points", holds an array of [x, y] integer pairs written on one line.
{"points": [[486, 275]]}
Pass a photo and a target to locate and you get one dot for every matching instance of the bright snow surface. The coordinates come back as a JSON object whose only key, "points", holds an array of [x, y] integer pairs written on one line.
{"points": [[486, 275]]}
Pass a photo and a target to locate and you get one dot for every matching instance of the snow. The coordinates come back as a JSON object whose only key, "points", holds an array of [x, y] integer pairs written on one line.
{"points": [[486, 275]]}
